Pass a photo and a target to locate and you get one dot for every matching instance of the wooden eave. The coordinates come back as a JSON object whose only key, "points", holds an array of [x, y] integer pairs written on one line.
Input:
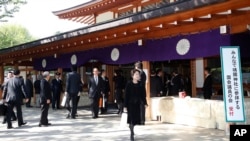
{"points": [[77, 13], [166, 26], [98, 7]]}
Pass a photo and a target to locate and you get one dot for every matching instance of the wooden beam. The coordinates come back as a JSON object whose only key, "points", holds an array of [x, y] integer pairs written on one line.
{"points": [[86, 19], [200, 26], [91, 17], [238, 28]]}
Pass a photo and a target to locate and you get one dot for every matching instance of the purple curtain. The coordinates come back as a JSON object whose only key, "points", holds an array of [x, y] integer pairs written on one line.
{"points": [[203, 44]]}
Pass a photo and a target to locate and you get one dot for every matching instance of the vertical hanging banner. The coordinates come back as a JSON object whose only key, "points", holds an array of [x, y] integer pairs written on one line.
{"points": [[232, 84]]}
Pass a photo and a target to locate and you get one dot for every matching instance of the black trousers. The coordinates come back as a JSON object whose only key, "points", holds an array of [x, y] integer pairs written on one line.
{"points": [[44, 114], [10, 112], [73, 99], [77, 101], [94, 105], [142, 114], [56, 100]]}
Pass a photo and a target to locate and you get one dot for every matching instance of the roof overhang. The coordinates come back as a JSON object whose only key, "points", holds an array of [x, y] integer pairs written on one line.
{"points": [[89, 8], [235, 14]]}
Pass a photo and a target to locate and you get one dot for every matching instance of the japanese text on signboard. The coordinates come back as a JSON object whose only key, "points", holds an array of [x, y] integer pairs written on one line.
{"points": [[233, 96]]}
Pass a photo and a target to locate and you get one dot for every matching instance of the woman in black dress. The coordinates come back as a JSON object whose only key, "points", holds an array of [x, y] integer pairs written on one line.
{"points": [[135, 95]]}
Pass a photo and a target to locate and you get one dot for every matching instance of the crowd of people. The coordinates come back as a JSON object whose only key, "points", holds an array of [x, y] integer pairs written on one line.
{"points": [[130, 95], [163, 84]]}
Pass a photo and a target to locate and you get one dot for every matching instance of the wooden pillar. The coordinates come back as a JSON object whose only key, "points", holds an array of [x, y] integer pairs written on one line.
{"points": [[146, 68], [1, 78], [205, 64], [193, 77], [110, 73], [84, 77]]}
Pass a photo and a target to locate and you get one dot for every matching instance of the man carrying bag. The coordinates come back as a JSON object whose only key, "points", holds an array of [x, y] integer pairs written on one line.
{"points": [[3, 108]]}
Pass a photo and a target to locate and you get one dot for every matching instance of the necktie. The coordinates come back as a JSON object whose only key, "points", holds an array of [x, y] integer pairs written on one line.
{"points": [[96, 80]]}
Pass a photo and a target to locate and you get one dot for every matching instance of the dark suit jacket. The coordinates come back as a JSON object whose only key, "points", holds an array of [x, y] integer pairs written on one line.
{"points": [[37, 86], [95, 90], [177, 85], [207, 86], [143, 78], [119, 81], [156, 86], [45, 92], [15, 90], [73, 83], [56, 86], [29, 87], [106, 86]]}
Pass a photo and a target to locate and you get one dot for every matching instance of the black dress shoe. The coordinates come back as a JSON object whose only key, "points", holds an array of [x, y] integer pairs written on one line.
{"points": [[24, 123], [14, 119], [49, 124], [4, 122], [10, 127], [42, 125], [94, 117]]}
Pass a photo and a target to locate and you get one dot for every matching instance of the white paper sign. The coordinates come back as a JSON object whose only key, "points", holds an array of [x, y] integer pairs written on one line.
{"points": [[232, 84]]}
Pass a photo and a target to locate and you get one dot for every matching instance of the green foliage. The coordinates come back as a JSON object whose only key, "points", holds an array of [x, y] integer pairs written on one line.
{"points": [[9, 7], [11, 35]]}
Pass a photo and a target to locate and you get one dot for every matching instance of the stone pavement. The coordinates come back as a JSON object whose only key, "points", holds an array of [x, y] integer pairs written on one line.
{"points": [[105, 128]]}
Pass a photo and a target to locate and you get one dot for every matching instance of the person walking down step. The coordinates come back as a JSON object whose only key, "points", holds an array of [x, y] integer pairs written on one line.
{"points": [[45, 99], [135, 96], [95, 86], [73, 82], [57, 88]]}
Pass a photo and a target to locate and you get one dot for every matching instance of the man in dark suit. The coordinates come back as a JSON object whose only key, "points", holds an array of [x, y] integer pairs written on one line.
{"points": [[155, 85], [9, 75], [73, 83], [159, 76], [176, 84], [29, 87], [106, 91], [45, 99], [38, 90], [139, 66], [13, 95], [57, 88], [207, 86], [95, 86], [143, 78]]}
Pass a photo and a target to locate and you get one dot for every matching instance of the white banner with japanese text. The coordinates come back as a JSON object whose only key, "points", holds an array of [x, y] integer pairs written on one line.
{"points": [[232, 84]]}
